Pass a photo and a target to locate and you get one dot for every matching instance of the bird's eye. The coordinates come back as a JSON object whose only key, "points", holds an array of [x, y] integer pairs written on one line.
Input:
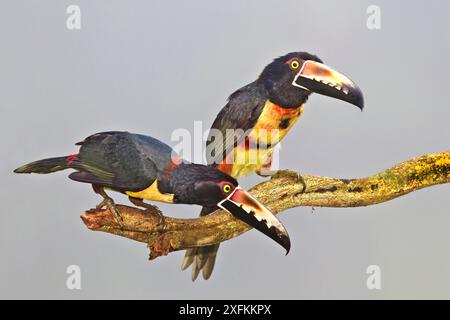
{"points": [[294, 64], [226, 188]]}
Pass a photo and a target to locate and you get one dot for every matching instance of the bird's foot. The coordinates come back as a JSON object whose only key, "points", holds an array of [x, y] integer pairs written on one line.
{"points": [[151, 209], [273, 174], [161, 226], [109, 204], [161, 223]]}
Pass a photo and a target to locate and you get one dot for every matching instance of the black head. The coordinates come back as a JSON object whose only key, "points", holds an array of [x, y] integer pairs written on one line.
{"points": [[209, 187], [202, 185], [277, 78], [290, 79]]}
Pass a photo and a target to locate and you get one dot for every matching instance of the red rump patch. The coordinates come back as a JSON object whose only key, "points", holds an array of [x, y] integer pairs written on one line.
{"points": [[71, 157], [171, 166]]}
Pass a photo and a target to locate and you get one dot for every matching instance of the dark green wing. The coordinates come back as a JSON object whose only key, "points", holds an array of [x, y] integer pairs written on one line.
{"points": [[121, 160], [241, 112]]}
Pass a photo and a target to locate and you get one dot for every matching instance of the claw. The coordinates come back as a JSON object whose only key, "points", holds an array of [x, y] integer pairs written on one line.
{"points": [[101, 205], [108, 203], [161, 223], [302, 182], [286, 173], [115, 212], [150, 209]]}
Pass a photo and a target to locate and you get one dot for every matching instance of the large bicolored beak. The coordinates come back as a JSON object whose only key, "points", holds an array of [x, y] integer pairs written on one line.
{"points": [[318, 78], [246, 208]]}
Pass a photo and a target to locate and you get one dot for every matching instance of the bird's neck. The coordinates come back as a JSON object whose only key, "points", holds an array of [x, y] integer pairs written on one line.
{"points": [[181, 182], [167, 180]]}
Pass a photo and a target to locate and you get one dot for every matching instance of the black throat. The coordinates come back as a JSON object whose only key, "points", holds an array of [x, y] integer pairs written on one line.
{"points": [[181, 183], [284, 94], [196, 184]]}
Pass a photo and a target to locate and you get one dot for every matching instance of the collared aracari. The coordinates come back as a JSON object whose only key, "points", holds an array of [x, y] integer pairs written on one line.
{"points": [[270, 104], [145, 168]]}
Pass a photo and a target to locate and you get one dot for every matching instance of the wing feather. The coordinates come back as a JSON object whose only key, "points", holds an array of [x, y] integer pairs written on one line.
{"points": [[121, 160], [241, 112]]}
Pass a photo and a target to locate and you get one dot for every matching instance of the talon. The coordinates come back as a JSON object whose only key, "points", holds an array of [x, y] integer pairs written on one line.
{"points": [[150, 209], [287, 173], [162, 220], [109, 204], [161, 223], [101, 205], [302, 181], [116, 214]]}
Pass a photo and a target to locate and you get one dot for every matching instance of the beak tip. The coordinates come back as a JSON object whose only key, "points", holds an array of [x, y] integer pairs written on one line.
{"points": [[286, 243], [361, 106], [361, 103], [357, 98]]}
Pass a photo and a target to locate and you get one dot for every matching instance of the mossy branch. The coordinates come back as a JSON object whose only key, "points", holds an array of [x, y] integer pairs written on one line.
{"points": [[280, 193]]}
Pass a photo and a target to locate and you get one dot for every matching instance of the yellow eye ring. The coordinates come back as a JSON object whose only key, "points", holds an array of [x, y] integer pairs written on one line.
{"points": [[226, 188], [295, 64]]}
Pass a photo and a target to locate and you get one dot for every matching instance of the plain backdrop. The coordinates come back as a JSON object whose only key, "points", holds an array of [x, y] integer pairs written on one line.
{"points": [[155, 66]]}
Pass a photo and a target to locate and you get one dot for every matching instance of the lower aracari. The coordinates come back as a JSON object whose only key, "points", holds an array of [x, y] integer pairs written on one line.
{"points": [[143, 167]]}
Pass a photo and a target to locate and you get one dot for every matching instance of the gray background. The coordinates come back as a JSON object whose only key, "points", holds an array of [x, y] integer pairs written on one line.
{"points": [[136, 64]]}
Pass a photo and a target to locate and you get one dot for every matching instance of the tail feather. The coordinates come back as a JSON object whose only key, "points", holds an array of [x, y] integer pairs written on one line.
{"points": [[188, 258], [201, 258], [46, 165], [209, 258]]}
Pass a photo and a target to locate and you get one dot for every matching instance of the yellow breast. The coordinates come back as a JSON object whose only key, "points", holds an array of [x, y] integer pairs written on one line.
{"points": [[274, 123], [152, 193], [271, 127]]}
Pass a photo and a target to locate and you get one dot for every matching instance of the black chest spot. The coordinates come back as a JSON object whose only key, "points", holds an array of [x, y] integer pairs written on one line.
{"points": [[284, 123]]}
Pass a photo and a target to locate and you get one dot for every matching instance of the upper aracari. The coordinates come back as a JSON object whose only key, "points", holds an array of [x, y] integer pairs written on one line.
{"points": [[261, 114], [145, 168]]}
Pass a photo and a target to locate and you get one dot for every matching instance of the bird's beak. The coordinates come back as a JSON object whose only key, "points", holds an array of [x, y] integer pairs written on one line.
{"points": [[317, 77], [246, 208]]}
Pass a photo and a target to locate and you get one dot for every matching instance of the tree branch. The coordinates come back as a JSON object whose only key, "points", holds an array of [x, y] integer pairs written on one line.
{"points": [[281, 192]]}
